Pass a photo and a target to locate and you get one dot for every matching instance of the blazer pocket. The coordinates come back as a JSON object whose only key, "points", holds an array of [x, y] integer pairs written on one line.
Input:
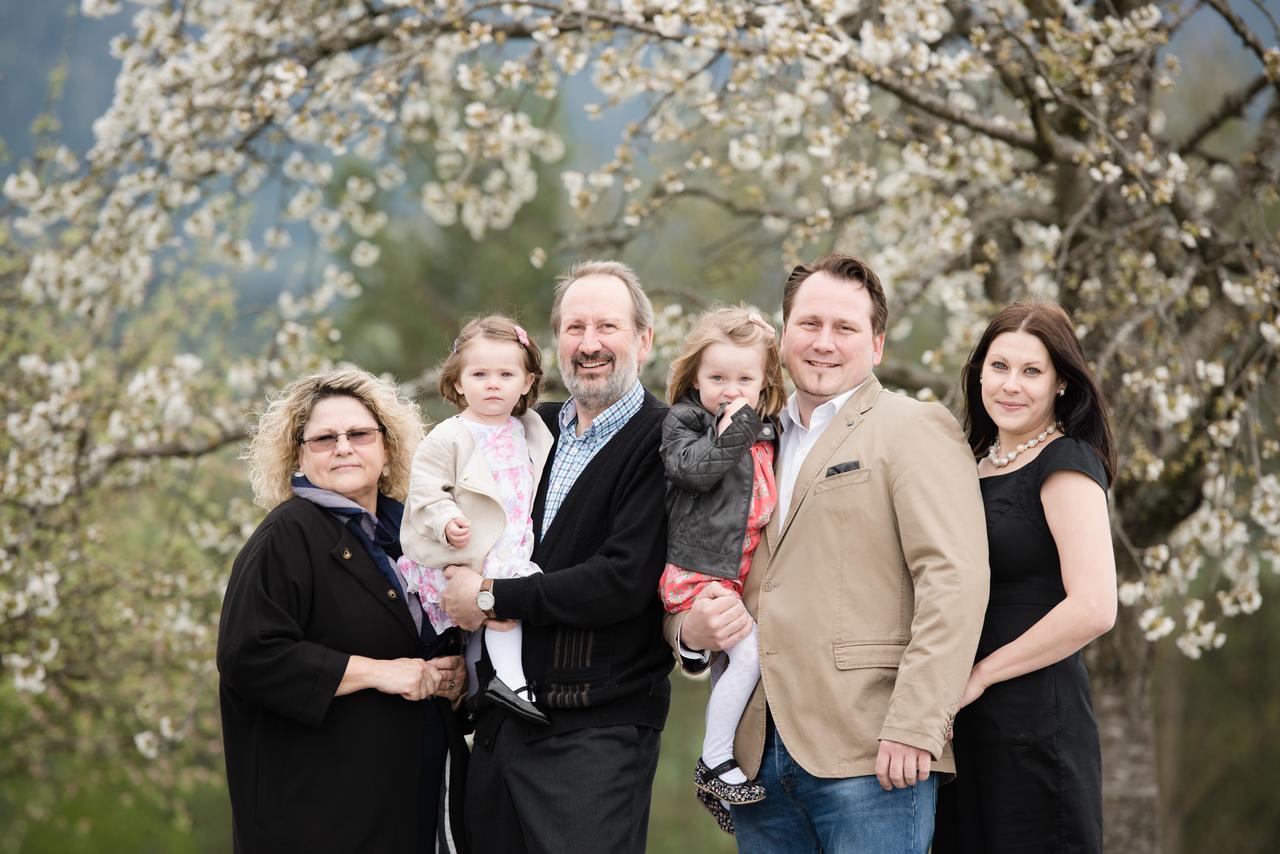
{"points": [[845, 478], [857, 655], [841, 468]]}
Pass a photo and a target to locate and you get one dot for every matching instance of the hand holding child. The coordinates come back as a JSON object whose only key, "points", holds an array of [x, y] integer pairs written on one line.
{"points": [[458, 532]]}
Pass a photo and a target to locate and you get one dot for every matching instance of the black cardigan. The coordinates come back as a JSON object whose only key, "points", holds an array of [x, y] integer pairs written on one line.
{"points": [[592, 619], [308, 771]]}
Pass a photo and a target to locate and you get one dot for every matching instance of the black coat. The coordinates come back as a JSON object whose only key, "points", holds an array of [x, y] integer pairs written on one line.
{"points": [[592, 618], [308, 771], [709, 481]]}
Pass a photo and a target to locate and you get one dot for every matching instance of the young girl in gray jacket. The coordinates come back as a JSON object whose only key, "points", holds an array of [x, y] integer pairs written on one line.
{"points": [[718, 446]]}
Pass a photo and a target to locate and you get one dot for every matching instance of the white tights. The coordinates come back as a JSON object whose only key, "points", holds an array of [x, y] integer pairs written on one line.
{"points": [[506, 656], [730, 693]]}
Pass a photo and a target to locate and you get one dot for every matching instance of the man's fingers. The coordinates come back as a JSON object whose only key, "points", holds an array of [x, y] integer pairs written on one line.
{"points": [[742, 629], [882, 769], [909, 769], [500, 625], [923, 767]]}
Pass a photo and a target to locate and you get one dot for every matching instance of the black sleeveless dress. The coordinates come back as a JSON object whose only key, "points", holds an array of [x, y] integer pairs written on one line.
{"points": [[1028, 764]]}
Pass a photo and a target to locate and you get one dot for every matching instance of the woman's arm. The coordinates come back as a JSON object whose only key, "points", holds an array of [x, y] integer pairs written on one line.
{"points": [[1076, 509], [411, 678]]}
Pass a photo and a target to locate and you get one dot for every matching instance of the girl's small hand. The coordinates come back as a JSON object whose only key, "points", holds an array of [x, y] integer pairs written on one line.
{"points": [[458, 532], [726, 417]]}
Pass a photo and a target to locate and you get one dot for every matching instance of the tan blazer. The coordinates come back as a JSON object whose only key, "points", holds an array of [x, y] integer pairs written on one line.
{"points": [[451, 478], [870, 594]]}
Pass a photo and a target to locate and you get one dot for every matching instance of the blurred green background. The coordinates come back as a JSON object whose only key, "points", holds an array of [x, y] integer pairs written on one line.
{"points": [[1216, 718]]}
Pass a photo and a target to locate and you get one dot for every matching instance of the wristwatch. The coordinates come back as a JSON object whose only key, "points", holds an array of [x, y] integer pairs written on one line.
{"points": [[485, 600]]}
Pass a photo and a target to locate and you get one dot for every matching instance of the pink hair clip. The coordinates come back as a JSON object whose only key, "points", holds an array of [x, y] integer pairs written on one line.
{"points": [[755, 318], [521, 335]]}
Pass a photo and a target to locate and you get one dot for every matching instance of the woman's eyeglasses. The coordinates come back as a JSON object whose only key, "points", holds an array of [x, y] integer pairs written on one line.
{"points": [[329, 441]]}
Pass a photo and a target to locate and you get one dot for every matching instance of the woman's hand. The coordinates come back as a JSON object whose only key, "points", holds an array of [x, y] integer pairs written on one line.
{"points": [[973, 688], [451, 677], [411, 678]]}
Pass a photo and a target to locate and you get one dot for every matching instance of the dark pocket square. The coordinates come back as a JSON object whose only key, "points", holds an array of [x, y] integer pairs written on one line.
{"points": [[839, 468]]}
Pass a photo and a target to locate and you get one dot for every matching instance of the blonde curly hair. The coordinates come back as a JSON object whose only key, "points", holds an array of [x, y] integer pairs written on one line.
{"points": [[272, 452]]}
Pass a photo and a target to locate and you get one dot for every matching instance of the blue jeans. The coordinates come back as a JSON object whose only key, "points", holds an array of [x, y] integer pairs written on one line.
{"points": [[803, 813]]}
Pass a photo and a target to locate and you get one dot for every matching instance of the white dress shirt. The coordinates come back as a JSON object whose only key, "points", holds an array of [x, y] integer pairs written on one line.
{"points": [[797, 441]]}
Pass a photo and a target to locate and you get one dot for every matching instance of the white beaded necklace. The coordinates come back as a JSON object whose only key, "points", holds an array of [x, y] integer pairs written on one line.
{"points": [[1001, 460]]}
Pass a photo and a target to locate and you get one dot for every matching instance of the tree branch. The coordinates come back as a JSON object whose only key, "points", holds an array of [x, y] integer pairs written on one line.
{"points": [[935, 106], [177, 450], [1246, 35], [1231, 107]]}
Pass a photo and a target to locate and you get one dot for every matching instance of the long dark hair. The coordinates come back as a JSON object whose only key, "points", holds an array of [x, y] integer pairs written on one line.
{"points": [[1081, 410]]}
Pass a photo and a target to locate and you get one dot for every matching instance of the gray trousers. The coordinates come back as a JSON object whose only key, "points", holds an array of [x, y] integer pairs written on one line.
{"points": [[582, 791]]}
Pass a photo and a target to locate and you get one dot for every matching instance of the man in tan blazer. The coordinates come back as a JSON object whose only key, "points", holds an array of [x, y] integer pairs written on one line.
{"points": [[869, 588]]}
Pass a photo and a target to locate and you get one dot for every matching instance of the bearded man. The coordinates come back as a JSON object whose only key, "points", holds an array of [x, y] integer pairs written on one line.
{"points": [[593, 646]]}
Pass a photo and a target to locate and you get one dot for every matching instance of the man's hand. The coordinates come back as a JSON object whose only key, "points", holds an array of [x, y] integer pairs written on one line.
{"points": [[716, 621], [459, 598], [900, 765], [458, 532]]}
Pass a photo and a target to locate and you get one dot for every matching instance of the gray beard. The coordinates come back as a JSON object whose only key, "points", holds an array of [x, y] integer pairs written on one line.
{"points": [[596, 397]]}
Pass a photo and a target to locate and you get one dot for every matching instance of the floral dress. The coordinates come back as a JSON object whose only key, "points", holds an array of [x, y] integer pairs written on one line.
{"points": [[506, 450]]}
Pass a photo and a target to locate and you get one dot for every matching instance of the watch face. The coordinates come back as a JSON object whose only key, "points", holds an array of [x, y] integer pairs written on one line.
{"points": [[484, 600]]}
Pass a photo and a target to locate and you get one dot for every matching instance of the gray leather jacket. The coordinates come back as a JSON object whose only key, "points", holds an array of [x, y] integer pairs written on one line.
{"points": [[709, 485]]}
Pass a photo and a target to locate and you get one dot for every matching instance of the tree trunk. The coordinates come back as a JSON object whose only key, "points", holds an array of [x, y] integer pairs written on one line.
{"points": [[1170, 694], [1120, 665]]}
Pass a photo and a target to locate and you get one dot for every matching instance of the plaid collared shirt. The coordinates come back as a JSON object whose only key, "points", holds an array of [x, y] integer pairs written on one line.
{"points": [[574, 452]]}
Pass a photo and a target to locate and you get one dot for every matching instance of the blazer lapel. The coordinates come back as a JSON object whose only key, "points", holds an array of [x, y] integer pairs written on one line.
{"points": [[844, 423], [351, 556]]}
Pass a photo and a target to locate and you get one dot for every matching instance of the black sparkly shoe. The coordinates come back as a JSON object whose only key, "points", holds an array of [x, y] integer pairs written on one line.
{"points": [[718, 810], [708, 780]]}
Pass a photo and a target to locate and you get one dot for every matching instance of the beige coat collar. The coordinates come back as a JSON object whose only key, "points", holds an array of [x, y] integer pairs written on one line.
{"points": [[844, 423]]}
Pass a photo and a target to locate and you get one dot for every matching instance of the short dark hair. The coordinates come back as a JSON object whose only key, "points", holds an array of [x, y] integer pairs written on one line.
{"points": [[849, 269], [1081, 410], [495, 327]]}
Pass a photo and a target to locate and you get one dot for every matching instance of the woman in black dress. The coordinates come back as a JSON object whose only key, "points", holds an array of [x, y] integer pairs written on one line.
{"points": [[336, 694], [1028, 765]]}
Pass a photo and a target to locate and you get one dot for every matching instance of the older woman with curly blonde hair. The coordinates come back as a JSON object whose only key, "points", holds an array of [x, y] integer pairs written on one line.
{"points": [[336, 694]]}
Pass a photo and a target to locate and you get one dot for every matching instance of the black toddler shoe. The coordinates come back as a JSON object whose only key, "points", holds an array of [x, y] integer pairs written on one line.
{"points": [[708, 780], [718, 810], [500, 693]]}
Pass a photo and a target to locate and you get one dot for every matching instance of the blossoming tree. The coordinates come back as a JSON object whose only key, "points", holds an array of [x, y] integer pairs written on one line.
{"points": [[974, 153]]}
